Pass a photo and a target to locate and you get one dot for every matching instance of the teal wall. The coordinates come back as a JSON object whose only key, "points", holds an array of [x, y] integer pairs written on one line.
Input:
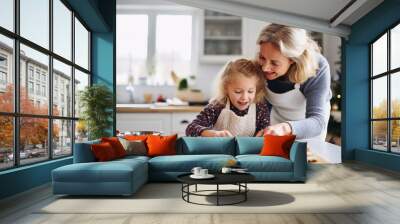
{"points": [[356, 101], [103, 53], [24, 178], [99, 16]]}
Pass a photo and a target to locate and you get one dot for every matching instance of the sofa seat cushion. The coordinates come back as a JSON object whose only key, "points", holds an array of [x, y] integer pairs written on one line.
{"points": [[257, 163], [112, 171], [133, 158], [185, 163]]}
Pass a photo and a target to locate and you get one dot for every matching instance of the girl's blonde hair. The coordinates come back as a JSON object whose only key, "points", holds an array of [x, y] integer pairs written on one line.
{"points": [[233, 69], [295, 44]]}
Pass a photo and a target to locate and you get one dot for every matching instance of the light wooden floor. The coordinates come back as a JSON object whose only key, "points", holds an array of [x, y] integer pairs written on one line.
{"points": [[378, 188]]}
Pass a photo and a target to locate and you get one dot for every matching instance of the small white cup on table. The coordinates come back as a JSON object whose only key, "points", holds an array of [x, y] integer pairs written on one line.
{"points": [[204, 172], [196, 171]]}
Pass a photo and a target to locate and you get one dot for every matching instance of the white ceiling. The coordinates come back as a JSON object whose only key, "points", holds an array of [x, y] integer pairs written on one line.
{"points": [[321, 9], [316, 15]]}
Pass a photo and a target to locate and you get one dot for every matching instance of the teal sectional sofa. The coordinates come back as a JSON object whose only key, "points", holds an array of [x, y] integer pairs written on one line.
{"points": [[125, 176]]}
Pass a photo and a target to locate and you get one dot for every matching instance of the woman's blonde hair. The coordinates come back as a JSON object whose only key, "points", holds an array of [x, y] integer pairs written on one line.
{"points": [[233, 69], [295, 44]]}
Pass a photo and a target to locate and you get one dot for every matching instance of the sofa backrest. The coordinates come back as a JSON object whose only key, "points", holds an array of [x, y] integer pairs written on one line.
{"points": [[192, 146], [83, 153], [249, 145], [206, 145]]}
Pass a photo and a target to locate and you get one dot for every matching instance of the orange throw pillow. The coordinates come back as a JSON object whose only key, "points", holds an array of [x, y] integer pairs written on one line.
{"points": [[277, 145], [161, 145], [103, 152], [116, 145]]}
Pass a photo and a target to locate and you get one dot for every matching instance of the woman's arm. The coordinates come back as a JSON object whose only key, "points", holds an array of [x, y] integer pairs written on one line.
{"points": [[318, 94], [205, 120]]}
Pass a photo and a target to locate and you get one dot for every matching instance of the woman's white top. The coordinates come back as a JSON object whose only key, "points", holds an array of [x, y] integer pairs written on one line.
{"points": [[291, 106]]}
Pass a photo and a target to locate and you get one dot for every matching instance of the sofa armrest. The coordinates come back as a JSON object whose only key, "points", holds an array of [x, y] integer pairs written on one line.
{"points": [[298, 155], [83, 152]]}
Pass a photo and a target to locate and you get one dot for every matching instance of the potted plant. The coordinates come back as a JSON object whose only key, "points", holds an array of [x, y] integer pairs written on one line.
{"points": [[96, 102]]}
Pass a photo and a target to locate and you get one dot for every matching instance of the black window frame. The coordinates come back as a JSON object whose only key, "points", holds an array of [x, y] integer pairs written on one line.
{"points": [[16, 114], [388, 74]]}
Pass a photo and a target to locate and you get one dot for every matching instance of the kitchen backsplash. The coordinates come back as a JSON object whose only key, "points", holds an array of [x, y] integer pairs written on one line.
{"points": [[136, 93]]}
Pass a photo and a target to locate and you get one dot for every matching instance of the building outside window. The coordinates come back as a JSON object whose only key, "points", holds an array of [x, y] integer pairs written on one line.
{"points": [[3, 61], [3, 72], [30, 87], [385, 96], [44, 77], [38, 89], [55, 94], [43, 90], [37, 74], [30, 72], [3, 78]]}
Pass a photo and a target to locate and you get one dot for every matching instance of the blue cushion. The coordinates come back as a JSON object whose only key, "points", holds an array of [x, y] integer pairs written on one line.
{"points": [[249, 145], [83, 152], [185, 163], [257, 163], [206, 145]]}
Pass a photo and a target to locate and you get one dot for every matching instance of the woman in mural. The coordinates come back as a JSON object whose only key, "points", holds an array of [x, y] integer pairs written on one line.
{"points": [[297, 80]]}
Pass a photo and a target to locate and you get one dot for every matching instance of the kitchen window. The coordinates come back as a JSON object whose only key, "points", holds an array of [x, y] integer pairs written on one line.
{"points": [[151, 44], [385, 95]]}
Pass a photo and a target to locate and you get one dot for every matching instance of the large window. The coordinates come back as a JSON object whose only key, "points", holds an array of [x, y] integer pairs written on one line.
{"points": [[149, 47], [40, 80], [385, 94]]}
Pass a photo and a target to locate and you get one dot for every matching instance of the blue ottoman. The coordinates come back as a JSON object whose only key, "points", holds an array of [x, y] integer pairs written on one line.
{"points": [[118, 177]]}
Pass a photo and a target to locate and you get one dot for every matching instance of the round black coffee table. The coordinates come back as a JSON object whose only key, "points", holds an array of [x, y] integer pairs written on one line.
{"points": [[238, 179]]}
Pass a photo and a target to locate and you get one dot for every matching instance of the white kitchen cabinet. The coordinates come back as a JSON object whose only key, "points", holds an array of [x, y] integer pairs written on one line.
{"points": [[221, 37], [168, 123], [180, 121], [144, 122]]}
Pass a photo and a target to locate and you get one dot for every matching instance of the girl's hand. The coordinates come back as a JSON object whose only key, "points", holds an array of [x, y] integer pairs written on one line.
{"points": [[260, 133], [214, 133], [278, 129]]}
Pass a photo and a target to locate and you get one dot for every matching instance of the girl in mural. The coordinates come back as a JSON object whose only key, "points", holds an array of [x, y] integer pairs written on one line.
{"points": [[239, 108]]}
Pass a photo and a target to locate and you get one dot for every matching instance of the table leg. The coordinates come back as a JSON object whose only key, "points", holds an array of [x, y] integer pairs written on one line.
{"points": [[245, 191], [196, 188], [217, 194], [182, 190], [188, 190]]}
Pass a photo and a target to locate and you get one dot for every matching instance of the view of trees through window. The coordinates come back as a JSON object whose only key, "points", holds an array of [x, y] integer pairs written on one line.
{"points": [[38, 75], [385, 94]]}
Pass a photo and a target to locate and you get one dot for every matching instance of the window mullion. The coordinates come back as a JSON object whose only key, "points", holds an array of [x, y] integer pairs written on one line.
{"points": [[50, 82], [389, 106], [371, 89], [151, 43], [73, 81], [16, 84]]}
